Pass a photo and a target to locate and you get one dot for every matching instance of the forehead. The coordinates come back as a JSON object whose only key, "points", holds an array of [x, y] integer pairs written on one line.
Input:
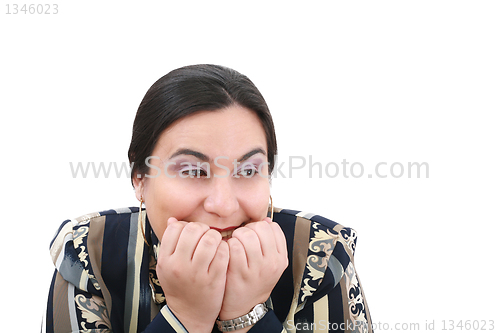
{"points": [[231, 131]]}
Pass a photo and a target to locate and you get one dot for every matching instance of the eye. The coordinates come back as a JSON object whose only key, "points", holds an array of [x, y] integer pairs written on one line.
{"points": [[248, 171], [193, 173]]}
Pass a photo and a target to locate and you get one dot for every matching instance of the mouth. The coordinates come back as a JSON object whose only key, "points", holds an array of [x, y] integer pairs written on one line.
{"points": [[227, 233]]}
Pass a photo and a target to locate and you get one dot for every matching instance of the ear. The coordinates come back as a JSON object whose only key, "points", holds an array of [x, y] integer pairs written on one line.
{"points": [[138, 187]]}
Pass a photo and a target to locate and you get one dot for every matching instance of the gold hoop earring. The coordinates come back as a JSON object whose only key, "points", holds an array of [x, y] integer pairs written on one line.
{"points": [[272, 207], [140, 221]]}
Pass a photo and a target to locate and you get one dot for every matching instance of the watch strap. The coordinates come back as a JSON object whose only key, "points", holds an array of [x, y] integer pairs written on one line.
{"points": [[251, 318]]}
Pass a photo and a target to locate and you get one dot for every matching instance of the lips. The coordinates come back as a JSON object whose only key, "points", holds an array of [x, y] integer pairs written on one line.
{"points": [[226, 233]]}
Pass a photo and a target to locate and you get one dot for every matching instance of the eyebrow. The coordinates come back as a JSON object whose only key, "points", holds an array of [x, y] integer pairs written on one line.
{"points": [[251, 153], [185, 151], [205, 158]]}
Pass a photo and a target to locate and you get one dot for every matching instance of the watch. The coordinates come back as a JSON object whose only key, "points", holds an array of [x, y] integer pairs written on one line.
{"points": [[249, 319]]}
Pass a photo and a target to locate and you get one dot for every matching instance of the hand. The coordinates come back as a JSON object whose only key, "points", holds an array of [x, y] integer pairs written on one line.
{"points": [[192, 266], [257, 258]]}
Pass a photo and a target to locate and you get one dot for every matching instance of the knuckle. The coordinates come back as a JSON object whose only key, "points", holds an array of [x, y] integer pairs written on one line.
{"points": [[211, 239], [222, 250], [168, 269], [243, 232], [261, 227], [176, 272], [175, 225], [284, 263], [237, 232], [235, 246], [195, 227], [159, 267], [276, 228]]}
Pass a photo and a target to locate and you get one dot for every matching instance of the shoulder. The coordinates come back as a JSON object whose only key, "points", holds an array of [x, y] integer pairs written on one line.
{"points": [[73, 229], [302, 224], [320, 250], [77, 246]]}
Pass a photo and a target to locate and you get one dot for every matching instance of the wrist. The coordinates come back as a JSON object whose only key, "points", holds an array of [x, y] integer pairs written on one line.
{"points": [[192, 322], [232, 312]]}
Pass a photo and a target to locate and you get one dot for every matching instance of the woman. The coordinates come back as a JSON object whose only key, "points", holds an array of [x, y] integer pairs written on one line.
{"points": [[202, 153]]}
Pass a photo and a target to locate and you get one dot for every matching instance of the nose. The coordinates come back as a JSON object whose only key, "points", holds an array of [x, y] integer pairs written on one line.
{"points": [[221, 199]]}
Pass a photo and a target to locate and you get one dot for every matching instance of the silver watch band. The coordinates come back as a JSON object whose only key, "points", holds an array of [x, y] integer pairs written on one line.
{"points": [[249, 319]]}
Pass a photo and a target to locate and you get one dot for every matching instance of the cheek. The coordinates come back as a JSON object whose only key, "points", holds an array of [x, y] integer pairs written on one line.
{"points": [[165, 198], [256, 202]]}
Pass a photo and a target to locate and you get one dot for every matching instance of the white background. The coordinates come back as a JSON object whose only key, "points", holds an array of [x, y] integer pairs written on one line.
{"points": [[365, 81]]}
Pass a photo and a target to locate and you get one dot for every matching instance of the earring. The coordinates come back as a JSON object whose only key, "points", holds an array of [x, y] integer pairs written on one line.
{"points": [[272, 207], [140, 221]]}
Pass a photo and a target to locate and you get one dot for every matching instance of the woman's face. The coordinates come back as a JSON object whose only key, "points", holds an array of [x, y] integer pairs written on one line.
{"points": [[210, 167]]}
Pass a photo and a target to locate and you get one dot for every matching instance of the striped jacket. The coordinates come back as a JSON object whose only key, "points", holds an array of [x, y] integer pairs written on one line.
{"points": [[105, 278]]}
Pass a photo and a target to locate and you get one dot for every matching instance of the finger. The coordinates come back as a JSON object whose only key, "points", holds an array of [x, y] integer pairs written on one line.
{"points": [[171, 235], [218, 266], [266, 237], [188, 240], [279, 237], [206, 249], [237, 255], [251, 244]]}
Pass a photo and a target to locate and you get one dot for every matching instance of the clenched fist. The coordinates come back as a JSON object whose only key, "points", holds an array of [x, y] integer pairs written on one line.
{"points": [[204, 277], [257, 258], [192, 266]]}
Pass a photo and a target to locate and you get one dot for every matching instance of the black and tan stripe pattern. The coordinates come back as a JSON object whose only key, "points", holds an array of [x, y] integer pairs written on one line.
{"points": [[105, 278]]}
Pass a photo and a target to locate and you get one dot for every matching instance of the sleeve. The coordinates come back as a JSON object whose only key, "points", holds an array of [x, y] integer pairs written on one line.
{"points": [[165, 321], [342, 309], [76, 299], [75, 302], [71, 310], [320, 291], [269, 323], [337, 301]]}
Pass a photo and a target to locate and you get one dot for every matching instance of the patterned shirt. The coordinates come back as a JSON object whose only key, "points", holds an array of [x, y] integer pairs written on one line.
{"points": [[105, 278]]}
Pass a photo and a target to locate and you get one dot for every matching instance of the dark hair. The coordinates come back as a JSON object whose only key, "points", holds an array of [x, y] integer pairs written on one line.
{"points": [[188, 90]]}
